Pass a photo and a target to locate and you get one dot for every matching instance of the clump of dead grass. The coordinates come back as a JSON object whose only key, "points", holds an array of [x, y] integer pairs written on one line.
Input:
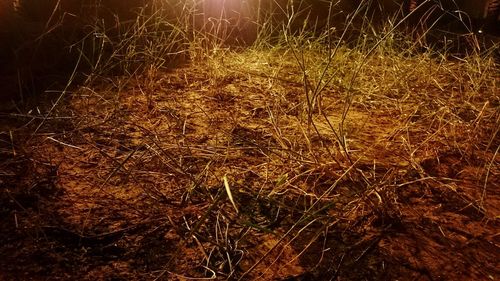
{"points": [[306, 157]]}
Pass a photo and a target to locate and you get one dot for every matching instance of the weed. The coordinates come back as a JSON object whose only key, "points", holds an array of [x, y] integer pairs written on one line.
{"points": [[323, 150]]}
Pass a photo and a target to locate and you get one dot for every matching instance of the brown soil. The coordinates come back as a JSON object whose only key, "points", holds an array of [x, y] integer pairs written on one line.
{"points": [[124, 179]]}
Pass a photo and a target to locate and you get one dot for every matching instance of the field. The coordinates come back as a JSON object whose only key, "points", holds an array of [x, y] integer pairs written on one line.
{"points": [[300, 157]]}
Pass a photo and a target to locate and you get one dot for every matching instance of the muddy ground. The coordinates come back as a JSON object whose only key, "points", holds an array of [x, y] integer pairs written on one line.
{"points": [[123, 179]]}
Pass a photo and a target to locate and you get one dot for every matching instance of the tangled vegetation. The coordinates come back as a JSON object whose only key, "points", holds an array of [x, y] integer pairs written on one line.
{"points": [[314, 153]]}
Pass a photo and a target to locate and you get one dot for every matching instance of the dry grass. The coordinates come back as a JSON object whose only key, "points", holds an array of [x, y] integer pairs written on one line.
{"points": [[299, 157]]}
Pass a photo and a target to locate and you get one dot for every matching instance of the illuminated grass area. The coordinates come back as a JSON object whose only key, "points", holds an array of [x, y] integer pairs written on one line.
{"points": [[249, 147]]}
